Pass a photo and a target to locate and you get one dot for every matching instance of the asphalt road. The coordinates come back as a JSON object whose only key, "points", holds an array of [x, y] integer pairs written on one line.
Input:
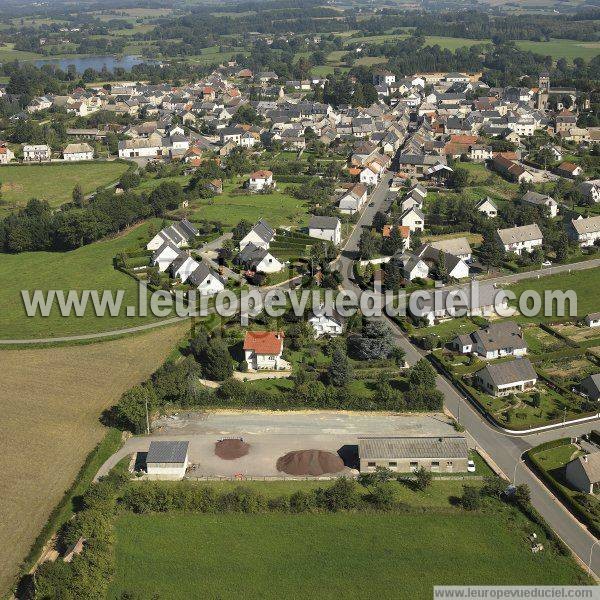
{"points": [[504, 449]]}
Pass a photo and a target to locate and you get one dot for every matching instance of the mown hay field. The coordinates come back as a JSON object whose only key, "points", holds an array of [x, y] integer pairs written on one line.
{"points": [[50, 401]]}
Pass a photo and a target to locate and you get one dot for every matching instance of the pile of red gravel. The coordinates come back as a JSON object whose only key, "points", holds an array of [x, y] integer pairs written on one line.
{"points": [[309, 462], [231, 449]]}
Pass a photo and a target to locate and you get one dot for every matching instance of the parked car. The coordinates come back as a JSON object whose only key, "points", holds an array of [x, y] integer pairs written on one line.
{"points": [[547, 263], [470, 466]]}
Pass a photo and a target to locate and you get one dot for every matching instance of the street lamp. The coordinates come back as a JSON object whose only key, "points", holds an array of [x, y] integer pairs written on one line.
{"points": [[590, 560]]}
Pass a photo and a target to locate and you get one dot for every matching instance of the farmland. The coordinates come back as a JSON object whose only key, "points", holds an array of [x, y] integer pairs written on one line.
{"points": [[51, 400], [89, 267], [328, 556], [54, 182]]}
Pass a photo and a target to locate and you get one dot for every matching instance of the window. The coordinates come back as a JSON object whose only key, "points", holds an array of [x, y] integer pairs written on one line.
{"points": [[414, 466], [435, 465], [392, 463], [370, 464]]}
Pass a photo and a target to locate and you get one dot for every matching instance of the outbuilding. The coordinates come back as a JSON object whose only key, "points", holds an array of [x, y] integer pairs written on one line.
{"points": [[167, 459]]}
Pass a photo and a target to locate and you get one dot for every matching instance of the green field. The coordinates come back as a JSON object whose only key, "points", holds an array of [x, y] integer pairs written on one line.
{"points": [[8, 54], [233, 205], [87, 268], [328, 555], [54, 182], [585, 284]]}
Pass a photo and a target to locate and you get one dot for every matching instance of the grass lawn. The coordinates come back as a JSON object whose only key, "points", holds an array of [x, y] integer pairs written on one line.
{"points": [[8, 54], [568, 49], [87, 268], [585, 284], [233, 205], [328, 556], [51, 399], [448, 330], [54, 182]]}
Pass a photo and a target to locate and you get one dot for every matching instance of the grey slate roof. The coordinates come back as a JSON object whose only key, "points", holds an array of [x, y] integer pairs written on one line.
{"points": [[317, 222], [590, 463], [525, 233], [504, 334], [589, 225], [264, 231], [167, 452], [413, 447], [511, 371]]}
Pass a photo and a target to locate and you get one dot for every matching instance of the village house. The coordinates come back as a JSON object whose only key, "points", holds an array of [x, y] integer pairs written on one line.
{"points": [[258, 259], [583, 473], [440, 306], [179, 234], [141, 147], [353, 200], [592, 319], [511, 170], [569, 169], [325, 228], [505, 378], [590, 190], [36, 153], [444, 454], [206, 280], [260, 180], [75, 152], [541, 200], [488, 207], [497, 339], [369, 177], [519, 239], [325, 323], [413, 218], [263, 350], [590, 386], [459, 247], [6, 155], [164, 256], [456, 268], [182, 267], [412, 266], [261, 236], [585, 231]]}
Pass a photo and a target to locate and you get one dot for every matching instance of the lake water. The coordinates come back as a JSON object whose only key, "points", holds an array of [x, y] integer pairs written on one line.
{"points": [[94, 62]]}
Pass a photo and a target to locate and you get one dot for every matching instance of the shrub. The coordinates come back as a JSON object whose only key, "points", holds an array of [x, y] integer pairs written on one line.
{"points": [[342, 495], [424, 478], [471, 498]]}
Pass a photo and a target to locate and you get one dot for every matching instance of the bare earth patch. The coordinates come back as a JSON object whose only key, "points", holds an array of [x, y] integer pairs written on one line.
{"points": [[50, 402]]}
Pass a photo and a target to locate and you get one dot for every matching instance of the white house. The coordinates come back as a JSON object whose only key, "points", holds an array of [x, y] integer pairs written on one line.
{"points": [[325, 228], [517, 239], [36, 153], [140, 147], [412, 266], [413, 218], [259, 180], [182, 267], [258, 259], [179, 234], [369, 177], [165, 255], [541, 200], [592, 319], [6, 155], [167, 459], [353, 200], [488, 207], [496, 340], [205, 280], [590, 190], [263, 349], [74, 152], [505, 378], [583, 472], [261, 236], [585, 231], [326, 324], [459, 247]]}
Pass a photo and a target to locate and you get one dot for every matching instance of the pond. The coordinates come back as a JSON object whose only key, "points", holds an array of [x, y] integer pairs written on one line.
{"points": [[97, 63]]}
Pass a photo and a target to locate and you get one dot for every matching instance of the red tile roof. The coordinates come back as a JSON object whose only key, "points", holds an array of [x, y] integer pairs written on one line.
{"points": [[264, 342], [261, 175]]}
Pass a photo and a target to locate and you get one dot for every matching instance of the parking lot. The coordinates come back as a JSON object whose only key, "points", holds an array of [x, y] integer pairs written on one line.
{"points": [[272, 434]]}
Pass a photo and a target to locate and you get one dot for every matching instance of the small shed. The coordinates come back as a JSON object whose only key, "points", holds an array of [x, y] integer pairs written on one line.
{"points": [[167, 459]]}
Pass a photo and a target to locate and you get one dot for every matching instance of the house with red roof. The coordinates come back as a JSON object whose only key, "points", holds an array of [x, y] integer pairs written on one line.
{"points": [[259, 180], [263, 349], [6, 155]]}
